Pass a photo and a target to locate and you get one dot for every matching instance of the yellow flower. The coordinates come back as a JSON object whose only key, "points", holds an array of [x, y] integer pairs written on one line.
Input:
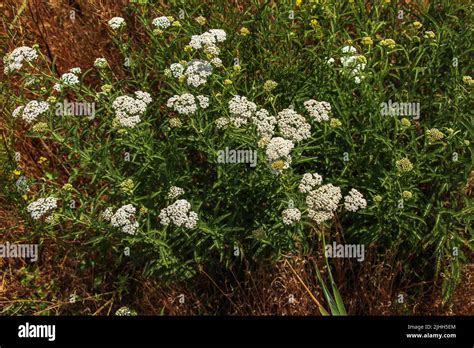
{"points": [[43, 89], [237, 68], [468, 80], [298, 3], [42, 160], [434, 134], [106, 88], [407, 195], [157, 31], [40, 127], [227, 82], [405, 122], [378, 199], [127, 186], [176, 24], [314, 23], [404, 165], [417, 25], [367, 40], [51, 99], [467, 142], [278, 165], [244, 31], [144, 210], [16, 172], [335, 123], [429, 35], [388, 43], [25, 197], [182, 78], [201, 20], [269, 85], [67, 187], [175, 122], [188, 48]]}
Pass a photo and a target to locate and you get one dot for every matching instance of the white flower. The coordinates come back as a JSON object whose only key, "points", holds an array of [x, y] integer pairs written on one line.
{"points": [[179, 214], [128, 109], [58, 87], [292, 125], [309, 182], [107, 214], [320, 216], [203, 101], [241, 110], [14, 60], [69, 79], [124, 218], [222, 122], [217, 62], [184, 104], [290, 216], [197, 72], [41, 207], [354, 201], [330, 61], [326, 198], [208, 38], [31, 111], [175, 192], [219, 34], [101, 63], [177, 69], [161, 22], [349, 49], [75, 70], [116, 23], [265, 123], [318, 110], [212, 50], [279, 149]]}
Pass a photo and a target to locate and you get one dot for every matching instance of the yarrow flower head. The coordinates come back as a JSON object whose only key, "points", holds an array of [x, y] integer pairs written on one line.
{"points": [[222, 122], [279, 149], [116, 23], [128, 109], [42, 207], [290, 216], [241, 110], [353, 62], [175, 192], [179, 214], [209, 38], [309, 182], [292, 125], [324, 198], [404, 165], [124, 218], [31, 111], [318, 110], [265, 123], [161, 22], [388, 43], [407, 195], [269, 86], [434, 134], [196, 73], [14, 61], [354, 201], [125, 311], [101, 63], [184, 104]]}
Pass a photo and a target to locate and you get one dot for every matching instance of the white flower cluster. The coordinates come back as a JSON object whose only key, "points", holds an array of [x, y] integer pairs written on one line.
{"points": [[124, 218], [175, 192], [128, 109], [30, 111], [68, 79], [179, 214], [107, 214], [14, 60], [101, 63], [353, 62], [309, 182], [41, 207], [197, 72], [265, 124], [326, 198], [161, 22], [279, 149], [177, 69], [217, 62], [293, 126], [185, 104], [209, 38], [318, 110], [222, 122], [241, 110], [354, 201], [116, 23], [290, 216]]}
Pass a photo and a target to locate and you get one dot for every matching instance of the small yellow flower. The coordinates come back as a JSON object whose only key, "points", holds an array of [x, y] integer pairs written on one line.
{"points": [[67, 187], [417, 25], [269, 85], [201, 20], [176, 24], [429, 35], [367, 40], [298, 3], [40, 127], [467, 142], [407, 195], [43, 89], [171, 19], [16, 172], [106, 88], [405, 122], [127, 186], [182, 78], [314, 23], [157, 31], [434, 134], [227, 82], [335, 123], [175, 122], [143, 210], [25, 197], [378, 199], [244, 31], [188, 48], [42, 160], [468, 80], [51, 99], [388, 43], [237, 68], [404, 165], [278, 165]]}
